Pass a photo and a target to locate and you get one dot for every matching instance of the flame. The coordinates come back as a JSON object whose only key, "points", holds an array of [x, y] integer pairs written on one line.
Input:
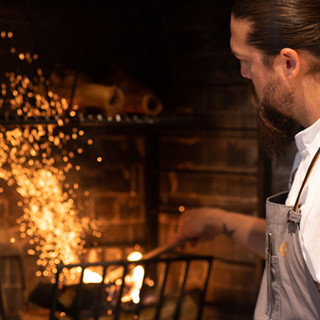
{"points": [[134, 280], [137, 278], [90, 276], [135, 256]]}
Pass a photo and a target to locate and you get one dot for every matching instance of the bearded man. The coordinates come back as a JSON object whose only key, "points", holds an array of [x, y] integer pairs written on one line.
{"points": [[278, 45]]}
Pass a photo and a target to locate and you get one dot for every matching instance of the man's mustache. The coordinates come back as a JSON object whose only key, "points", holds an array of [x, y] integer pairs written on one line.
{"points": [[254, 99]]}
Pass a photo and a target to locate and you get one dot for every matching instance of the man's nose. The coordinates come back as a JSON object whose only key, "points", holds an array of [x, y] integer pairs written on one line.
{"points": [[245, 72]]}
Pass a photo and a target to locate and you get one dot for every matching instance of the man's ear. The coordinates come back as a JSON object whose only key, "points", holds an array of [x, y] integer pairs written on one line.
{"points": [[290, 62]]}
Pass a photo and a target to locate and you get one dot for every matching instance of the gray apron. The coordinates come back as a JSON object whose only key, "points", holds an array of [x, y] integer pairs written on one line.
{"points": [[288, 290]]}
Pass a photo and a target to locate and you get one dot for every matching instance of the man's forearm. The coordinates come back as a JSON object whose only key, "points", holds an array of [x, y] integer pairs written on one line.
{"points": [[246, 230]]}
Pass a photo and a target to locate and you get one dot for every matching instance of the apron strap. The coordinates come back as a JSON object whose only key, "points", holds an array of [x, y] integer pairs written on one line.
{"points": [[314, 160]]}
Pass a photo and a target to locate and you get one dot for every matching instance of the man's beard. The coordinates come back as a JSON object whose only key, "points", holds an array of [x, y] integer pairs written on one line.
{"points": [[276, 130]]}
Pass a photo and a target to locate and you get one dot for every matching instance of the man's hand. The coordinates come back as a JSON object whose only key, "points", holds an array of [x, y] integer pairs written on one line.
{"points": [[199, 224], [203, 224]]}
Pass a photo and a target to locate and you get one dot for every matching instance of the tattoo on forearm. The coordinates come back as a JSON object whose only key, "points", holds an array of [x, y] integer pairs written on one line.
{"points": [[226, 231]]}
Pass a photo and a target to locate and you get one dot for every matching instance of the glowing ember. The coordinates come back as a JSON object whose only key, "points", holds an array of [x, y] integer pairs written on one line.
{"points": [[91, 277], [135, 256], [49, 211], [50, 217], [134, 280]]}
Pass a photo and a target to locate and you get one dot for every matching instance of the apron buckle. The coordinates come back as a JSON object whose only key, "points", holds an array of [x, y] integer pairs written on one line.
{"points": [[293, 217]]}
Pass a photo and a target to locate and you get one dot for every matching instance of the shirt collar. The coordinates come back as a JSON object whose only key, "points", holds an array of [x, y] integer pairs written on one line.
{"points": [[307, 136]]}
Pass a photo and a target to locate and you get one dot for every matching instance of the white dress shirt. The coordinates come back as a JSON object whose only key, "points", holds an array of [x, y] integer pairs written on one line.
{"points": [[308, 142]]}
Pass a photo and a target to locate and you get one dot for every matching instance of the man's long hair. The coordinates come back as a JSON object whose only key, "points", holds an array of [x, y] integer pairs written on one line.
{"points": [[278, 24]]}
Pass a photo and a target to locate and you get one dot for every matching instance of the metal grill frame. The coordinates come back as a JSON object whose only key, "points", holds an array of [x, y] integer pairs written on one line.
{"points": [[117, 309]]}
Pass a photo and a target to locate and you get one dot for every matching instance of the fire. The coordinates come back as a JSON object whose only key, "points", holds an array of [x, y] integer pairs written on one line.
{"points": [[133, 280], [50, 217], [91, 277], [49, 210], [135, 256]]}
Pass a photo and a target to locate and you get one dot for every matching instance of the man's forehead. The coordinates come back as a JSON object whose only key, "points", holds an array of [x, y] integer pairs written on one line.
{"points": [[244, 24], [239, 30]]}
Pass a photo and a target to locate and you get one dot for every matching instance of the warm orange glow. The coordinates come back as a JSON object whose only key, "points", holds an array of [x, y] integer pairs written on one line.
{"points": [[134, 280], [50, 216], [135, 256], [137, 278], [91, 277]]}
